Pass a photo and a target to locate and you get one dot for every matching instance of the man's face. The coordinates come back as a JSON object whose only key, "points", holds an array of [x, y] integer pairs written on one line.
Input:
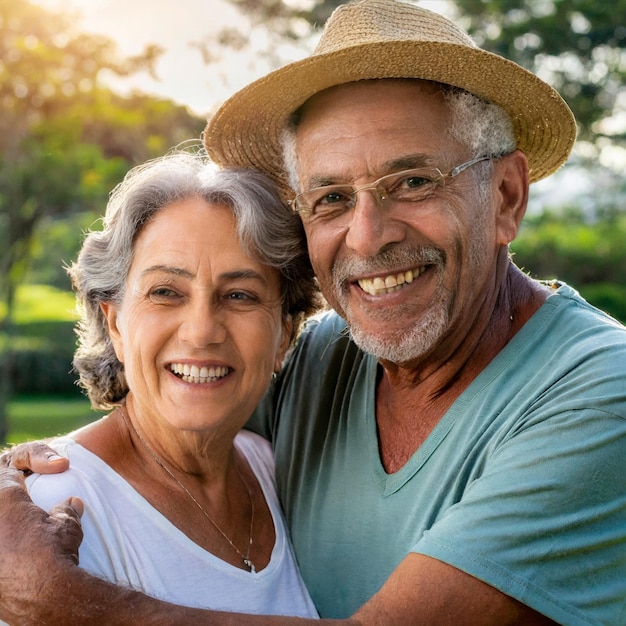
{"points": [[406, 277]]}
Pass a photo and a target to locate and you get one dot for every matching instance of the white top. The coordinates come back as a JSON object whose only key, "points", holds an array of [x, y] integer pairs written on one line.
{"points": [[126, 540]]}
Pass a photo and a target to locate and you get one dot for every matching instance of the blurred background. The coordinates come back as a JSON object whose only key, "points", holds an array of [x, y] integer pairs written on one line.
{"points": [[89, 88]]}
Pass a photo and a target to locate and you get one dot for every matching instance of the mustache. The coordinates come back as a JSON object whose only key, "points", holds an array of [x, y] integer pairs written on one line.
{"points": [[390, 260]]}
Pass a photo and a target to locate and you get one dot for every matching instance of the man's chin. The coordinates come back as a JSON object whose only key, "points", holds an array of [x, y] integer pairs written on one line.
{"points": [[402, 343]]}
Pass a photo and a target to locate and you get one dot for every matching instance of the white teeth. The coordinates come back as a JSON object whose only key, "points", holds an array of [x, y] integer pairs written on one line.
{"points": [[388, 284], [197, 375]]}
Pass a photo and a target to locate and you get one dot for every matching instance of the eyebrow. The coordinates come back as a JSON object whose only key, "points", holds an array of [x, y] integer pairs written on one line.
{"points": [[398, 164], [167, 269], [243, 274], [408, 161]]}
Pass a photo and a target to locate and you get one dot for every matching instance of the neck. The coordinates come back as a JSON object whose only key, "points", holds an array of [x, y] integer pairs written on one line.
{"points": [[213, 508], [473, 341], [427, 388], [202, 455], [245, 558]]}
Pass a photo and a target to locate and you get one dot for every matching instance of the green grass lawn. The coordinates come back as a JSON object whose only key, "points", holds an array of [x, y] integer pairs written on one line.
{"points": [[45, 313], [39, 417]]}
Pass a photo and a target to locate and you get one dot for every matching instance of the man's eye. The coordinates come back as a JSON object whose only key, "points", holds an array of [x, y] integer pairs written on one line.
{"points": [[331, 204], [333, 197], [413, 182]]}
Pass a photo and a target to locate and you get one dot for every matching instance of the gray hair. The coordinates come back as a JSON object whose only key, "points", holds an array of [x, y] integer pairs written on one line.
{"points": [[268, 231], [485, 128]]}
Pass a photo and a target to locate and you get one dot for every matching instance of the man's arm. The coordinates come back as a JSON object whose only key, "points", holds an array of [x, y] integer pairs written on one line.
{"points": [[425, 591], [40, 581]]}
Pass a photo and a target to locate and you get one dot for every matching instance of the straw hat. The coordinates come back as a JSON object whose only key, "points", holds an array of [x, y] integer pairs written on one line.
{"points": [[388, 39]]}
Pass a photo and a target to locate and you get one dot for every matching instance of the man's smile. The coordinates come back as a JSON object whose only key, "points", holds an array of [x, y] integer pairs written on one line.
{"points": [[390, 283]]}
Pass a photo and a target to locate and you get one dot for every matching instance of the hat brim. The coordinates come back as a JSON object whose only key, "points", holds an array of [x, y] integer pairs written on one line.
{"points": [[246, 130]]}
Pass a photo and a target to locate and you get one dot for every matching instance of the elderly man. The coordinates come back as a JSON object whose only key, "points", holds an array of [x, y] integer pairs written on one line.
{"points": [[450, 447]]}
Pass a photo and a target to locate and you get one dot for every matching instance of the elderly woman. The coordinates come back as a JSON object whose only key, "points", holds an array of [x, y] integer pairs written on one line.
{"points": [[190, 298]]}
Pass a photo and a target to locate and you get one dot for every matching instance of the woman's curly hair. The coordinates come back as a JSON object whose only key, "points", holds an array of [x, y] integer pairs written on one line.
{"points": [[268, 230]]}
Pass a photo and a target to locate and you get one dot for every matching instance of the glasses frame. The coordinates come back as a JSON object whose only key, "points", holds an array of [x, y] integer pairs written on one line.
{"points": [[378, 188]]}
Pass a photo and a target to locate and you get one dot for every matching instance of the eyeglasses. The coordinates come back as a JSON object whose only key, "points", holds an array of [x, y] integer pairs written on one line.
{"points": [[409, 186]]}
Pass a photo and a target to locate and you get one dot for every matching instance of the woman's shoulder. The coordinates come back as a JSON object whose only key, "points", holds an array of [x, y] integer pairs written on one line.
{"points": [[259, 454], [88, 476], [48, 489], [251, 443]]}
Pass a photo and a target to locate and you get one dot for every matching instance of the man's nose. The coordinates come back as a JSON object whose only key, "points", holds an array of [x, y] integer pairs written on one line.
{"points": [[372, 226]]}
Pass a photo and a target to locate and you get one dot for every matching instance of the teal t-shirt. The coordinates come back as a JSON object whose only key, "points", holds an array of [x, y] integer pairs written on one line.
{"points": [[522, 484]]}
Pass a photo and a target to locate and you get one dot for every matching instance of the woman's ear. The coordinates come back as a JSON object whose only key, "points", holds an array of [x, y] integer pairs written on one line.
{"points": [[512, 175], [109, 310], [285, 342]]}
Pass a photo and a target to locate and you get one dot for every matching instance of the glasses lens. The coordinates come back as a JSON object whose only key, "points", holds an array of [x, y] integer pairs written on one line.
{"points": [[334, 200], [410, 185], [325, 202]]}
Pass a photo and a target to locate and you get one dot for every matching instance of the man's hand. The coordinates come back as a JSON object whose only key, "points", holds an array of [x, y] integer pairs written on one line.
{"points": [[34, 456], [34, 546]]}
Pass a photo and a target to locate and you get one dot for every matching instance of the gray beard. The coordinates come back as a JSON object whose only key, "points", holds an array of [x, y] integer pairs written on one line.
{"points": [[409, 343], [406, 345]]}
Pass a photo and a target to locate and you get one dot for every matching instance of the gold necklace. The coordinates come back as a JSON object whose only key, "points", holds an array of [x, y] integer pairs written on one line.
{"points": [[245, 559]]}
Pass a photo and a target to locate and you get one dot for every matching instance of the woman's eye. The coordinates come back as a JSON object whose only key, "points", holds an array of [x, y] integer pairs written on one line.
{"points": [[241, 296], [163, 291], [160, 294]]}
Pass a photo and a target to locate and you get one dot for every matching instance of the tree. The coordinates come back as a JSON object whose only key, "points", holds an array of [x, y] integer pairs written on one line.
{"points": [[576, 45], [65, 139], [587, 253]]}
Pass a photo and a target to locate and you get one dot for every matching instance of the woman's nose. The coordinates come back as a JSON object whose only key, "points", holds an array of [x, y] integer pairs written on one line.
{"points": [[203, 324]]}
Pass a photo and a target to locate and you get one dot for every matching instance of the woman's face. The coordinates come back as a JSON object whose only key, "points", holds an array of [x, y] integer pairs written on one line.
{"points": [[199, 329]]}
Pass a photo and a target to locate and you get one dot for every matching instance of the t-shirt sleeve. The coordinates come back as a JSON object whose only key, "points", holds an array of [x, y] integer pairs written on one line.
{"points": [[546, 516]]}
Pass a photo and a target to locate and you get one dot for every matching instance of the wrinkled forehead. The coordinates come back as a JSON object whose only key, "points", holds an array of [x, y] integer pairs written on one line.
{"points": [[357, 129]]}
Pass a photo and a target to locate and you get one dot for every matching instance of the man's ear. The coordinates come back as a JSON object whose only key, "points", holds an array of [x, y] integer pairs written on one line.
{"points": [[109, 310], [511, 172]]}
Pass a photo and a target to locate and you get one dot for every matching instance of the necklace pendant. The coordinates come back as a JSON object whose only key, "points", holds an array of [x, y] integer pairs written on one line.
{"points": [[248, 563]]}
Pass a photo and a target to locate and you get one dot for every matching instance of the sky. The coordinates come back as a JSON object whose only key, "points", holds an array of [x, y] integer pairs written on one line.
{"points": [[173, 25]]}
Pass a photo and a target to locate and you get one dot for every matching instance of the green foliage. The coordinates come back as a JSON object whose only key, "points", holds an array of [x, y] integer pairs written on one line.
{"points": [[589, 255], [44, 366], [56, 242], [43, 341], [65, 139], [44, 303], [607, 297]]}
